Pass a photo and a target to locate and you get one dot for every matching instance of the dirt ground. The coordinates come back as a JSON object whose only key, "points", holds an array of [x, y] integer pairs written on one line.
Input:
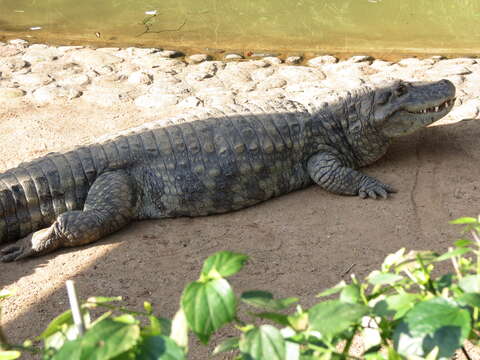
{"points": [[298, 244]]}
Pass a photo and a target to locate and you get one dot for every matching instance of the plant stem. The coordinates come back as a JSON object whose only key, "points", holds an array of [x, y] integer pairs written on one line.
{"points": [[466, 353]]}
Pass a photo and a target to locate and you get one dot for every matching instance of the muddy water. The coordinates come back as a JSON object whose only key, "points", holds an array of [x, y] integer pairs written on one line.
{"points": [[338, 26]]}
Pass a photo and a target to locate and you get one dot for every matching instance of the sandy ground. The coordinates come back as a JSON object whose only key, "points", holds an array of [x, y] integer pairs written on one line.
{"points": [[298, 244]]}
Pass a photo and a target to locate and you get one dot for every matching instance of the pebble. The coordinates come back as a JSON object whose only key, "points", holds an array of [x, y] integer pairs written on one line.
{"points": [[19, 42], [13, 64], [233, 56], [33, 80], [468, 110], [140, 77], [361, 58], [51, 92], [170, 53], [272, 60], [293, 60], [322, 60], [198, 58], [10, 93], [9, 51]]}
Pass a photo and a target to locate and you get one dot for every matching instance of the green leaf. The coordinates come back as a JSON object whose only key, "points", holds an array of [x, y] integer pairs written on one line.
{"points": [[350, 294], [381, 278], [105, 340], [275, 317], [298, 321], [463, 243], [10, 355], [437, 322], [179, 329], [395, 306], [265, 300], [464, 220], [472, 299], [56, 324], [393, 259], [229, 344], [208, 306], [264, 342], [333, 290], [445, 281], [470, 283], [103, 299], [459, 251], [223, 263], [159, 348], [332, 317], [148, 307]]}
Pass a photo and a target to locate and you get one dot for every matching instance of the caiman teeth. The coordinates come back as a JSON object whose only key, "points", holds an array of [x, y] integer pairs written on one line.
{"points": [[435, 109]]}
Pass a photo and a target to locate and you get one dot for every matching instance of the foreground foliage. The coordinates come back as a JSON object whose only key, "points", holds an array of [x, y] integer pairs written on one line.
{"points": [[399, 312]]}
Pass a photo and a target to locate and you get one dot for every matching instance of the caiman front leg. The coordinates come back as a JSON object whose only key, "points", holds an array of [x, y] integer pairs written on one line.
{"points": [[328, 171], [109, 207]]}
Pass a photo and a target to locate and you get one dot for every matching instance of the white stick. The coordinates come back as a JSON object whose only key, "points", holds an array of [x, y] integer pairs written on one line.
{"points": [[75, 307]]}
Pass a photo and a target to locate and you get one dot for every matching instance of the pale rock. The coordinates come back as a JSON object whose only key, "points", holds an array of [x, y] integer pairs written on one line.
{"points": [[262, 73], [19, 42], [6, 51], [410, 62], [8, 93], [51, 92], [295, 74], [190, 102], [198, 58], [159, 101], [140, 78], [459, 61], [75, 80], [169, 88], [447, 69], [271, 83], [94, 59], [33, 80], [233, 56], [361, 58], [272, 60], [322, 60], [69, 48], [13, 64], [156, 61], [170, 53], [293, 60], [204, 70], [39, 55], [104, 96], [220, 101], [468, 110]]}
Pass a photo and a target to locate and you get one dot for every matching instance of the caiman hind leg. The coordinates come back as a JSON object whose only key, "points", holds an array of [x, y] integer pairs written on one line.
{"points": [[328, 171], [110, 205]]}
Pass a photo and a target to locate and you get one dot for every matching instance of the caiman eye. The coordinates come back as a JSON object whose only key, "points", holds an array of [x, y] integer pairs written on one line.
{"points": [[384, 97], [401, 90]]}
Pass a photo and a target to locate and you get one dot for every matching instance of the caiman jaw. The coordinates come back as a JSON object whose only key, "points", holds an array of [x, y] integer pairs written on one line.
{"points": [[435, 109]]}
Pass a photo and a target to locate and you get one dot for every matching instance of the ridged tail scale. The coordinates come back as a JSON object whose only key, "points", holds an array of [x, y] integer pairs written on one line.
{"points": [[33, 194]]}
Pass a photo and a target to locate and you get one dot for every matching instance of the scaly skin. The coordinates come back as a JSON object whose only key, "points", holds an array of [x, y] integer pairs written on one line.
{"points": [[210, 164]]}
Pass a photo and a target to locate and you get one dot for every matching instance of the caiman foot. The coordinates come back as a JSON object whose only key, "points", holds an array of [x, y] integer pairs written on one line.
{"points": [[372, 188], [39, 242]]}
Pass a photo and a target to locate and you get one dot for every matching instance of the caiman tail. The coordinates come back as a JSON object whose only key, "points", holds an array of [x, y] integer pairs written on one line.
{"points": [[33, 194]]}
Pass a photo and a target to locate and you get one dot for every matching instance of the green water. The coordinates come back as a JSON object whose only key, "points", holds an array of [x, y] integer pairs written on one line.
{"points": [[285, 26]]}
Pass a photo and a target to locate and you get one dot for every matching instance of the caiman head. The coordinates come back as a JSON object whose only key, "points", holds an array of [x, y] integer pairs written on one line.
{"points": [[400, 108]]}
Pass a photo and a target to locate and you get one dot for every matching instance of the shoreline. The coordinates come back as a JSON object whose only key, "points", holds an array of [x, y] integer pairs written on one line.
{"points": [[167, 81]]}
